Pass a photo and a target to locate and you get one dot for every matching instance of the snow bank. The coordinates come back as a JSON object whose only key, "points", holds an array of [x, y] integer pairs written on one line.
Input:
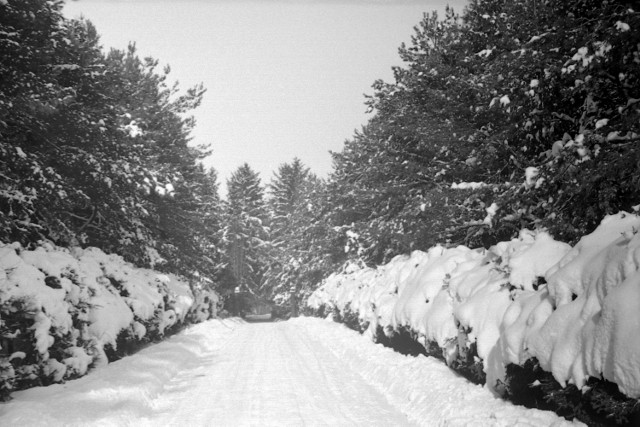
{"points": [[577, 310], [60, 308]]}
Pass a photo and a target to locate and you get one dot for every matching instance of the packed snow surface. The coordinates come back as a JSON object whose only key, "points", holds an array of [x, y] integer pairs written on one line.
{"points": [[577, 310], [304, 371]]}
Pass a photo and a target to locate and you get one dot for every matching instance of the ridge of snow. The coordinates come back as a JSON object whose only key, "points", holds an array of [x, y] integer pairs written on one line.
{"points": [[577, 310], [105, 294]]}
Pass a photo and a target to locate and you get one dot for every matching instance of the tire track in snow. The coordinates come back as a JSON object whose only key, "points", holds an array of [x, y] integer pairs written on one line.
{"points": [[272, 375], [423, 388]]}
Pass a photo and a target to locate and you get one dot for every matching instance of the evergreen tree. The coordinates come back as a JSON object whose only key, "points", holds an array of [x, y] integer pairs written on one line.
{"points": [[246, 235], [567, 133], [392, 181], [286, 196], [299, 257], [536, 101], [94, 147]]}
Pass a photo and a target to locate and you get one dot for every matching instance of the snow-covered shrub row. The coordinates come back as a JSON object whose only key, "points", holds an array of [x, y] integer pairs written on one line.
{"points": [[61, 309], [576, 310]]}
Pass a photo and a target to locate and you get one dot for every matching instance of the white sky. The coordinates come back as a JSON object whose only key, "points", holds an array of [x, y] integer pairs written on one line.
{"points": [[283, 78]]}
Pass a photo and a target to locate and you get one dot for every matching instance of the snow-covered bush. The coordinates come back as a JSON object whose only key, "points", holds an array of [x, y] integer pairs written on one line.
{"points": [[585, 322], [574, 311], [62, 311]]}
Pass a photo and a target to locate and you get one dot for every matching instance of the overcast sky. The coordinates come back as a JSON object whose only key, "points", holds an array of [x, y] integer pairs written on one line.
{"points": [[284, 78]]}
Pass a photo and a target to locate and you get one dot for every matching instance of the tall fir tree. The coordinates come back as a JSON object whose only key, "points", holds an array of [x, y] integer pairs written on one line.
{"points": [[287, 193], [298, 255], [246, 232]]}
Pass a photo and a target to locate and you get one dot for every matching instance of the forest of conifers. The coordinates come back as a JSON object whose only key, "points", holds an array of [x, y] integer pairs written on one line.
{"points": [[510, 115]]}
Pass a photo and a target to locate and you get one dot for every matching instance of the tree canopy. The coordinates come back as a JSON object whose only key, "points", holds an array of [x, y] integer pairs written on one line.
{"points": [[515, 114], [94, 146]]}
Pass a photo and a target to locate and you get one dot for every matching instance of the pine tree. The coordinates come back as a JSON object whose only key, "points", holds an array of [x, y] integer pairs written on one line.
{"points": [[537, 101], [555, 110], [94, 147]]}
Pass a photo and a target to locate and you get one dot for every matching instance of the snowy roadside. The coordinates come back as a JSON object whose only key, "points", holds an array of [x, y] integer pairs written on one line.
{"points": [[65, 310], [575, 311], [121, 392], [423, 388]]}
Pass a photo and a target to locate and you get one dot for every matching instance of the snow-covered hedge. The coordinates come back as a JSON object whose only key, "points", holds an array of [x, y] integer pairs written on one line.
{"points": [[62, 311], [576, 310]]}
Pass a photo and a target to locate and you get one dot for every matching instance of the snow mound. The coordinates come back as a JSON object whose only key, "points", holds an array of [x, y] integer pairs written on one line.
{"points": [[577, 310], [73, 303], [595, 295]]}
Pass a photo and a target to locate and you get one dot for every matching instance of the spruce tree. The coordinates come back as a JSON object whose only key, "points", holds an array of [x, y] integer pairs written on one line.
{"points": [[286, 196], [246, 234], [300, 237]]}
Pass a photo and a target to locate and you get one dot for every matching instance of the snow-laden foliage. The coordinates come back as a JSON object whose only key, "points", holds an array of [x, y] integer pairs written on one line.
{"points": [[575, 310], [93, 146], [246, 235], [297, 259], [536, 102], [63, 312]]}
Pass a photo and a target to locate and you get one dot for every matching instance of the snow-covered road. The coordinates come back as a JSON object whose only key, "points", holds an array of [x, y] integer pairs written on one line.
{"points": [[300, 372], [275, 374]]}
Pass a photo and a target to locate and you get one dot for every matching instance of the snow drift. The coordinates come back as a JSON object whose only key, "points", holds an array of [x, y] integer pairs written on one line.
{"points": [[61, 309], [577, 310]]}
